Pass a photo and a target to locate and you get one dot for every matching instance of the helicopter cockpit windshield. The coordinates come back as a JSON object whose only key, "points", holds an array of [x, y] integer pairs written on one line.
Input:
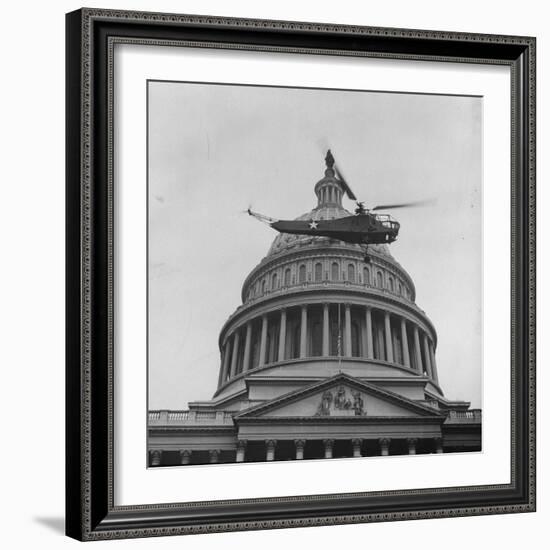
{"points": [[387, 221]]}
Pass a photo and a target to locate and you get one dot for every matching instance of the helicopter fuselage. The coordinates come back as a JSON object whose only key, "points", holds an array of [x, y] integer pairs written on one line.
{"points": [[364, 228]]}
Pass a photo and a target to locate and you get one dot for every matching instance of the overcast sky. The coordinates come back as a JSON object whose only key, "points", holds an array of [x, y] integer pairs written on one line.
{"points": [[216, 149]]}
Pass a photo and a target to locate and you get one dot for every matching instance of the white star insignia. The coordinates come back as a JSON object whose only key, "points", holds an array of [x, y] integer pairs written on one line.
{"points": [[313, 224]]}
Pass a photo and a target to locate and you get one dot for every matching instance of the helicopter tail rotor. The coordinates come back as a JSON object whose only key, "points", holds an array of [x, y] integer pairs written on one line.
{"points": [[261, 217]]}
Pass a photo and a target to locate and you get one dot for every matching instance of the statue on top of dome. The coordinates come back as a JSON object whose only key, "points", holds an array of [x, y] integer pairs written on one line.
{"points": [[329, 159]]}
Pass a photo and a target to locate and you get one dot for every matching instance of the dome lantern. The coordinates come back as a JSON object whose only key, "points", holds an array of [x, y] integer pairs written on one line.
{"points": [[330, 189]]}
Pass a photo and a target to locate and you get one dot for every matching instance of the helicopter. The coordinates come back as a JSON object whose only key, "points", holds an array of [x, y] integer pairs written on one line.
{"points": [[364, 227]]}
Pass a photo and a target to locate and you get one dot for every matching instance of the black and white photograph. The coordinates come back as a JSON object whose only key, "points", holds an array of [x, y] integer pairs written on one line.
{"points": [[314, 273]]}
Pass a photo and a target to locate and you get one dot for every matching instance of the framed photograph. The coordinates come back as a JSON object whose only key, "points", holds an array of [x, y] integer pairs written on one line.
{"points": [[300, 274]]}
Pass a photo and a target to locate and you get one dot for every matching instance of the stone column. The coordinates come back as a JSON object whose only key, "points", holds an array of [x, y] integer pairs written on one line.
{"points": [[384, 446], [226, 357], [303, 333], [368, 324], [241, 448], [347, 331], [389, 341], [300, 444], [156, 457], [270, 445], [411, 442], [185, 456], [357, 447], [417, 353], [438, 445], [247, 343], [379, 329], [214, 456], [432, 361], [326, 333], [282, 336], [427, 355], [395, 346], [405, 343], [329, 444], [222, 360], [263, 341], [235, 354]]}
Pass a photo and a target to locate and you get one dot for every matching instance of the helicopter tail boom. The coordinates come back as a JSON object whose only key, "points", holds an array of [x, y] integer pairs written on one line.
{"points": [[261, 217]]}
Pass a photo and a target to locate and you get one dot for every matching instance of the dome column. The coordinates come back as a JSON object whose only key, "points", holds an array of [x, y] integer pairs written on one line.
{"points": [[347, 331], [389, 342], [225, 366], [282, 336], [411, 442], [263, 341], [417, 353], [434, 366], [356, 443], [427, 356], [235, 354], [248, 338], [405, 343], [326, 337], [368, 327], [303, 333]]}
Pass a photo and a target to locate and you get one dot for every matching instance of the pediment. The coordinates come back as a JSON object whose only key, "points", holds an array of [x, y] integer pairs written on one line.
{"points": [[339, 397]]}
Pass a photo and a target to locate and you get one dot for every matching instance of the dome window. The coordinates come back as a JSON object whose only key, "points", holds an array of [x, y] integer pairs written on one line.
{"points": [[287, 276], [274, 281], [334, 272], [318, 272], [366, 275], [302, 274], [351, 273]]}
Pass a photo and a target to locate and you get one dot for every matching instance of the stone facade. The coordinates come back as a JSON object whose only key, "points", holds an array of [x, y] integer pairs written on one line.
{"points": [[327, 356]]}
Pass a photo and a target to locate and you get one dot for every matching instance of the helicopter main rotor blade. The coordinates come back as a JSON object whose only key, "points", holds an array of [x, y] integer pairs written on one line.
{"points": [[413, 204], [347, 188]]}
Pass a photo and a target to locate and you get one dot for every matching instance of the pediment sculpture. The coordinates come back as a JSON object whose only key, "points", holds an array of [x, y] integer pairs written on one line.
{"points": [[342, 402]]}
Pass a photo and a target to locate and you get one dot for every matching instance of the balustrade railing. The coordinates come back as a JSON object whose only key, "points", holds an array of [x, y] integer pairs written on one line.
{"points": [[165, 417], [464, 417], [323, 284]]}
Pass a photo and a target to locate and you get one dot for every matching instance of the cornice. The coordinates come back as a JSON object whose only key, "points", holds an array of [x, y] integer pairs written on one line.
{"points": [[250, 374], [309, 420]]}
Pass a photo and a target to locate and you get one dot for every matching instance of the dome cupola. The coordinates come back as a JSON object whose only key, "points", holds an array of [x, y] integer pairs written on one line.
{"points": [[330, 189]]}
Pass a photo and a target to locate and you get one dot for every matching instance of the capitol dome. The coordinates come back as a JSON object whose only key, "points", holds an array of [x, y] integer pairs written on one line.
{"points": [[328, 355]]}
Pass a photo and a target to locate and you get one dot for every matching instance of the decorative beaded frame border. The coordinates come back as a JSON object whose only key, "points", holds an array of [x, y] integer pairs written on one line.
{"points": [[91, 514]]}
